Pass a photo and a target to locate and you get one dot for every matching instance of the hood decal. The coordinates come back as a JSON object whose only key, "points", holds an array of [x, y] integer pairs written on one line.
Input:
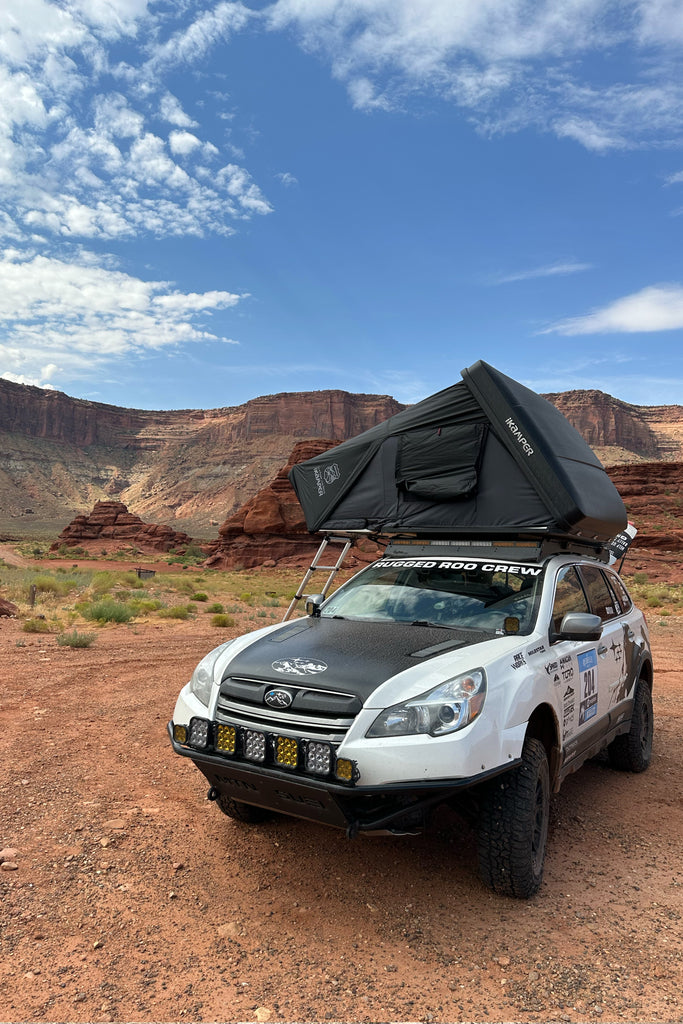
{"points": [[338, 655]]}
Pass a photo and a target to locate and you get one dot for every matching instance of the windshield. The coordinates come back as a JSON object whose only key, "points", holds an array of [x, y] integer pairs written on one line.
{"points": [[493, 597]]}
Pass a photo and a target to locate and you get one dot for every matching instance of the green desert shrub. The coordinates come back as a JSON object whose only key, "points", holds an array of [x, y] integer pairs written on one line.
{"points": [[176, 611], [200, 596], [108, 610], [222, 621], [216, 608], [144, 605], [76, 639], [36, 626]]}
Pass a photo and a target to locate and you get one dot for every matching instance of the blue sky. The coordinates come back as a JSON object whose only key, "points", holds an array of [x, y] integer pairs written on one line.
{"points": [[202, 202]]}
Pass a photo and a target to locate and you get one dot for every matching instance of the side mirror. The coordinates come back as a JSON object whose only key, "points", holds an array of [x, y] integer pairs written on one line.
{"points": [[579, 626], [313, 602]]}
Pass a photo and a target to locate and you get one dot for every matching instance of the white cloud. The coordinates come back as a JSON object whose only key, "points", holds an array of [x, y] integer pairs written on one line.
{"points": [[79, 159], [656, 308], [61, 318], [508, 63], [171, 110], [183, 143], [192, 43], [550, 270]]}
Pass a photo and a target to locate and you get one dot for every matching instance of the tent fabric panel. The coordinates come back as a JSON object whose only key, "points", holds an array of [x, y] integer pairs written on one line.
{"points": [[554, 457], [309, 479], [440, 463], [321, 482]]}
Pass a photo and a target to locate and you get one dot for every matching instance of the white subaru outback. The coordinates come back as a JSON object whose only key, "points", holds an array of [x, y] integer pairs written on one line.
{"points": [[461, 673]]}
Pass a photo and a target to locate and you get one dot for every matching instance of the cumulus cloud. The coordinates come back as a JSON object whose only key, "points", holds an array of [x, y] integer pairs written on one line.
{"points": [[656, 308], [106, 151], [58, 317]]}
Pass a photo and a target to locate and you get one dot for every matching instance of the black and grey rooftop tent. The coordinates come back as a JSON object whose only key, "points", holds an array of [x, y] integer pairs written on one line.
{"points": [[486, 456]]}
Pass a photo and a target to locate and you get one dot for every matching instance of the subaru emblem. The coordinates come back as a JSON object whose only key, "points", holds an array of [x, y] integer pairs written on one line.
{"points": [[278, 698]]}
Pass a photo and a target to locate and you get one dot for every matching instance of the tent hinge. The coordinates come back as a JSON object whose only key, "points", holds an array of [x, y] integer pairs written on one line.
{"points": [[317, 565]]}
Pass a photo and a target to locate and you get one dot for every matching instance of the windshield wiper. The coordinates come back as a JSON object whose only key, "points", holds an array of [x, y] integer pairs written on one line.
{"points": [[435, 625]]}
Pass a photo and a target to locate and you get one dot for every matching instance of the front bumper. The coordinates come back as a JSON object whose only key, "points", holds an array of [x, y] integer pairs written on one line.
{"points": [[398, 807]]}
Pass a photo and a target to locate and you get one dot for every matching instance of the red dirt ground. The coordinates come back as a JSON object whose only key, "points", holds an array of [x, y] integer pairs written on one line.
{"points": [[134, 899]]}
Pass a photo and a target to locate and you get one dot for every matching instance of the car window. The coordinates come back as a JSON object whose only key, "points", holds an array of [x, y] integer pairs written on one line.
{"points": [[569, 596], [492, 597], [622, 595], [600, 597]]}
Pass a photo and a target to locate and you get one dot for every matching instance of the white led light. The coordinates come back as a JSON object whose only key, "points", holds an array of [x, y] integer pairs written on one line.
{"points": [[254, 745], [318, 758], [199, 732]]}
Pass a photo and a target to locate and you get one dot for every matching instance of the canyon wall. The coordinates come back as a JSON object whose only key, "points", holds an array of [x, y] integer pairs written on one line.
{"points": [[194, 468]]}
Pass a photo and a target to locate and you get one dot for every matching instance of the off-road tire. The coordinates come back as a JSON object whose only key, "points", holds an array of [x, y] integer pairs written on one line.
{"points": [[238, 811], [632, 752], [513, 825]]}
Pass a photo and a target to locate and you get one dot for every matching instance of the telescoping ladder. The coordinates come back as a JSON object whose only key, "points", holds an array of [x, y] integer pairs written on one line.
{"points": [[316, 565]]}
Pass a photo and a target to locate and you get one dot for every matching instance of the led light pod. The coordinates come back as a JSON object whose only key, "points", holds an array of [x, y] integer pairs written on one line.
{"points": [[180, 733], [198, 735], [318, 758], [226, 739], [254, 745], [286, 751]]}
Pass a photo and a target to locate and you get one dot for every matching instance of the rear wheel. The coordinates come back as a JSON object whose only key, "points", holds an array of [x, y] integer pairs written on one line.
{"points": [[238, 811], [513, 825], [632, 752]]}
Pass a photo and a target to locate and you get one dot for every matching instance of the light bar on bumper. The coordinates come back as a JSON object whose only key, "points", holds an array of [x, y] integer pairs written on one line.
{"points": [[307, 757]]}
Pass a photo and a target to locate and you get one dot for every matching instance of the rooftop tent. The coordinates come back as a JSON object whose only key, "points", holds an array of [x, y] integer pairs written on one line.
{"points": [[485, 456]]}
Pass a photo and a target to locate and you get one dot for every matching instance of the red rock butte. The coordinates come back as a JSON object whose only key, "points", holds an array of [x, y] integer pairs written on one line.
{"points": [[111, 522]]}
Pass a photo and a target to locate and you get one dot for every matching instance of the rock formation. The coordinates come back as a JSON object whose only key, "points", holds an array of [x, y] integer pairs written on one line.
{"points": [[7, 609], [58, 453], [653, 495], [270, 528], [111, 523]]}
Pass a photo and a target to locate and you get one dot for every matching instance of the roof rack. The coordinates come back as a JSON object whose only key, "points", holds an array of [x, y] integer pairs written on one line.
{"points": [[520, 548]]}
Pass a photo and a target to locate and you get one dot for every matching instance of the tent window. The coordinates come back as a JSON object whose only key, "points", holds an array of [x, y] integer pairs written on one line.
{"points": [[440, 463]]}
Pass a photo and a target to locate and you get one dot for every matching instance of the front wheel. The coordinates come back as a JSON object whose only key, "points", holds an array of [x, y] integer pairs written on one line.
{"points": [[249, 814], [513, 825], [632, 752]]}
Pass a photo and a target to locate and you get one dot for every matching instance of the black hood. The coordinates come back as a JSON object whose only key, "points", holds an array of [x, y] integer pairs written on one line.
{"points": [[343, 655]]}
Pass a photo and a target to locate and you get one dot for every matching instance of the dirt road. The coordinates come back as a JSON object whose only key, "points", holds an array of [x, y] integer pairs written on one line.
{"points": [[133, 898]]}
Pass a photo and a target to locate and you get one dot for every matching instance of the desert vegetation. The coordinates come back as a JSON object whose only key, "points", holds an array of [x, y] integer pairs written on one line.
{"points": [[74, 604], [58, 600]]}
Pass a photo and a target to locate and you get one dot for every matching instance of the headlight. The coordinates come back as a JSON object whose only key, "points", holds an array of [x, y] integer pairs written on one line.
{"points": [[448, 707], [202, 677]]}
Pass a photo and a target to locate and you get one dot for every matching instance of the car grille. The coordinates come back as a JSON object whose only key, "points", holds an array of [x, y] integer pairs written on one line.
{"points": [[313, 714]]}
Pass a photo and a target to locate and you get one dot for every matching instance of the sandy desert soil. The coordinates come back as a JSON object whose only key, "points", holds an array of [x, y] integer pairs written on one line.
{"points": [[129, 897]]}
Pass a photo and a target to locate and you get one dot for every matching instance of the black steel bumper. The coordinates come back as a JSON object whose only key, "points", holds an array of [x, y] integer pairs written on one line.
{"points": [[397, 807]]}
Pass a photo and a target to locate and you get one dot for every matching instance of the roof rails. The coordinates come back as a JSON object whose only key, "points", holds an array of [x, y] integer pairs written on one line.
{"points": [[521, 547]]}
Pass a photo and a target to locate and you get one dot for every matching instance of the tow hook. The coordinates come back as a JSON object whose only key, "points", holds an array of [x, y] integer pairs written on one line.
{"points": [[212, 794]]}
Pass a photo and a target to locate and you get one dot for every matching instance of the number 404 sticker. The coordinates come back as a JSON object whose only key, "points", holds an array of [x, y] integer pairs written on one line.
{"points": [[588, 674]]}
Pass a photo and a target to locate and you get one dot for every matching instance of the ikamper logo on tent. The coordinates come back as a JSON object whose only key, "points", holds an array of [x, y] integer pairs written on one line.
{"points": [[517, 434], [328, 475]]}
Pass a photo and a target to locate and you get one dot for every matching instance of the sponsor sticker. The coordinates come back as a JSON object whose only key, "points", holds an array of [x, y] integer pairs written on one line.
{"points": [[588, 681], [421, 563], [568, 711], [566, 668], [299, 666], [519, 661]]}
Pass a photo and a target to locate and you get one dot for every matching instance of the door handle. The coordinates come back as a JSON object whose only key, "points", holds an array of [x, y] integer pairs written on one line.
{"points": [[602, 650]]}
